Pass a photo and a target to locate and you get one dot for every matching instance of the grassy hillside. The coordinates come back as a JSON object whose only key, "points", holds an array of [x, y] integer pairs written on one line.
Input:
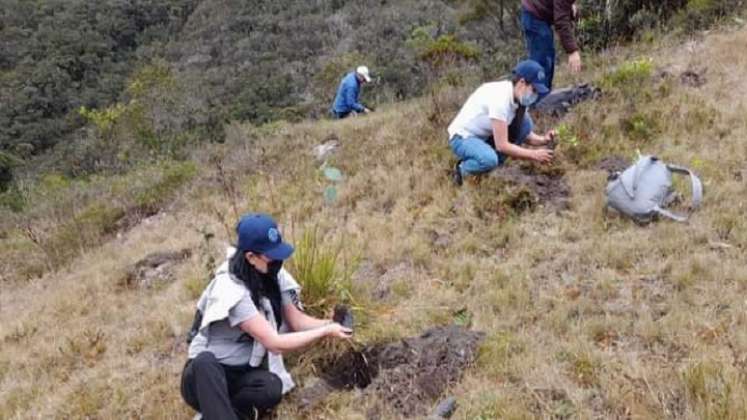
{"points": [[586, 315], [168, 75]]}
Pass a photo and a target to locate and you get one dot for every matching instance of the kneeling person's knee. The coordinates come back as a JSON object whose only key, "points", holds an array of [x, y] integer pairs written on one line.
{"points": [[489, 161], [273, 391], [203, 361]]}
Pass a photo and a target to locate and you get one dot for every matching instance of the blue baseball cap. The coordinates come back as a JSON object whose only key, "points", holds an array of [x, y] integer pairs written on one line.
{"points": [[259, 234], [532, 72]]}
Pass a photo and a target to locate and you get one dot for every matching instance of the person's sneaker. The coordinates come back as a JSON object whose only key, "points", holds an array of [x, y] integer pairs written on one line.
{"points": [[456, 175]]}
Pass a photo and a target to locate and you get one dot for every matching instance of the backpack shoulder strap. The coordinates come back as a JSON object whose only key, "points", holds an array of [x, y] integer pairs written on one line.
{"points": [[697, 186], [670, 215], [697, 191]]}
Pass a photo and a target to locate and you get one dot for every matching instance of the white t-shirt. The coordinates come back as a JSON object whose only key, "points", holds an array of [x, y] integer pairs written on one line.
{"points": [[491, 101]]}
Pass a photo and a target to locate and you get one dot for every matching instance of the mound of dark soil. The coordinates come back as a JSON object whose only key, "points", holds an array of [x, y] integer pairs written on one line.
{"points": [[156, 268], [693, 78], [408, 375], [523, 187]]}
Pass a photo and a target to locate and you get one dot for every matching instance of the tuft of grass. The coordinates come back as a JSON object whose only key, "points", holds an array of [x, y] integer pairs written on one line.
{"points": [[494, 404], [155, 335], [87, 399], [497, 353], [583, 367], [321, 271], [194, 286], [18, 400], [710, 392], [87, 348]]}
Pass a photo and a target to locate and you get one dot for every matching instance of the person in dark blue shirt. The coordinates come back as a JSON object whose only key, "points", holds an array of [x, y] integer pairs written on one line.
{"points": [[346, 101]]}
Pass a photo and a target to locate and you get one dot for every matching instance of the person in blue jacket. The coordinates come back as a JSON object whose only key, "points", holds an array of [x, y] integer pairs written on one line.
{"points": [[346, 101]]}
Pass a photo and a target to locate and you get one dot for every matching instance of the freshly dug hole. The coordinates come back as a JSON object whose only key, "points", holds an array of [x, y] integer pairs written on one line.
{"points": [[408, 375]]}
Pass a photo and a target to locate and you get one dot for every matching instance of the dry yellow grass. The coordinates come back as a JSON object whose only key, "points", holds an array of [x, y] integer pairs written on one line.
{"points": [[586, 316]]}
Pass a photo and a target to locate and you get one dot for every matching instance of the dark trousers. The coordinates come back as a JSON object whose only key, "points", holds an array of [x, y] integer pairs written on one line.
{"points": [[340, 115], [223, 392], [540, 43]]}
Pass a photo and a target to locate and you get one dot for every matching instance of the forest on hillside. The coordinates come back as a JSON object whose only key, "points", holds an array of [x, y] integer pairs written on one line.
{"points": [[98, 87]]}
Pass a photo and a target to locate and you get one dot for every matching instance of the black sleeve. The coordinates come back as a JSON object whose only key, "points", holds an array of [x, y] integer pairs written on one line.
{"points": [[196, 322]]}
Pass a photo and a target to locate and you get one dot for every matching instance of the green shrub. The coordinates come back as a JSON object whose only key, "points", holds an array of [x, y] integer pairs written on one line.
{"points": [[12, 199], [153, 195], [82, 231], [630, 75], [700, 14], [442, 52], [641, 126], [65, 217], [8, 162]]}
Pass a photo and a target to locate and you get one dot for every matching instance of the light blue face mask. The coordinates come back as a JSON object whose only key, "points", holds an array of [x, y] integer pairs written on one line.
{"points": [[528, 99]]}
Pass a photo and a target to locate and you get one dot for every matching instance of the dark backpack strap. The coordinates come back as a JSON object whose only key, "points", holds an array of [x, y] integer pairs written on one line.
{"points": [[196, 322], [514, 129]]}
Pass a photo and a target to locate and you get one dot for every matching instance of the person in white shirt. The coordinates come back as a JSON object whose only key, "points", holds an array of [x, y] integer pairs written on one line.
{"points": [[493, 124]]}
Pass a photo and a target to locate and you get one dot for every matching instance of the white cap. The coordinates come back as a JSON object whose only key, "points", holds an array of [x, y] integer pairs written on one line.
{"points": [[363, 71]]}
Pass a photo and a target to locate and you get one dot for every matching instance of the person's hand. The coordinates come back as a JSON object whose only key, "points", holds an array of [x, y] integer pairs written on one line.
{"points": [[338, 331], [542, 155], [550, 137], [367, 110], [574, 61]]}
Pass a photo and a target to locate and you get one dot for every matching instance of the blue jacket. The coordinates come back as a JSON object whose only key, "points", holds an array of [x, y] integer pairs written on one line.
{"points": [[347, 95]]}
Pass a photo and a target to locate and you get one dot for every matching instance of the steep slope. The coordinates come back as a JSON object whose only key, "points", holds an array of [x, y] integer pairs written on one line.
{"points": [[586, 315]]}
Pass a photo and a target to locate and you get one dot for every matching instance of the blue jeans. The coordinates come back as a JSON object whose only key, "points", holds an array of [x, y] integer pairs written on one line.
{"points": [[477, 156], [540, 44]]}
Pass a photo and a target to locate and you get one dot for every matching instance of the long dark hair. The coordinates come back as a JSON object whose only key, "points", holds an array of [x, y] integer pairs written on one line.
{"points": [[259, 284]]}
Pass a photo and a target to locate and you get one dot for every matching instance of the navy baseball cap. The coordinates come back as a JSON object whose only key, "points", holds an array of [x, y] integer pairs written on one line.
{"points": [[533, 73], [259, 234]]}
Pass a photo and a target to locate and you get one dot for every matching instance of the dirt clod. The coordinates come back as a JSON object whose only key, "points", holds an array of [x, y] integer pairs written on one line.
{"points": [[693, 78], [343, 316]]}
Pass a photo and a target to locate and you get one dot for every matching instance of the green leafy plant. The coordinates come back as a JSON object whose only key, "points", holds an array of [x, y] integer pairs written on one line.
{"points": [[333, 175], [566, 136]]}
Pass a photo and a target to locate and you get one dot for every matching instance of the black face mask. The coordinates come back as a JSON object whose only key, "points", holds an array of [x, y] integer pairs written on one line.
{"points": [[273, 268]]}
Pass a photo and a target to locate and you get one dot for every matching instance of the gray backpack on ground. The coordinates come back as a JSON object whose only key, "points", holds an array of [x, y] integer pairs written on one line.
{"points": [[644, 190]]}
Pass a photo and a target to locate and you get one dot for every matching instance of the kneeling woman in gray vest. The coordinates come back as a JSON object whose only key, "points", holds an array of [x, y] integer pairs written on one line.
{"points": [[247, 317]]}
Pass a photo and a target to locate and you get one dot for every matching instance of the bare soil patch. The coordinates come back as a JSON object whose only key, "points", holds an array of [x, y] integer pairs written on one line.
{"points": [[524, 187], [154, 269], [408, 376]]}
